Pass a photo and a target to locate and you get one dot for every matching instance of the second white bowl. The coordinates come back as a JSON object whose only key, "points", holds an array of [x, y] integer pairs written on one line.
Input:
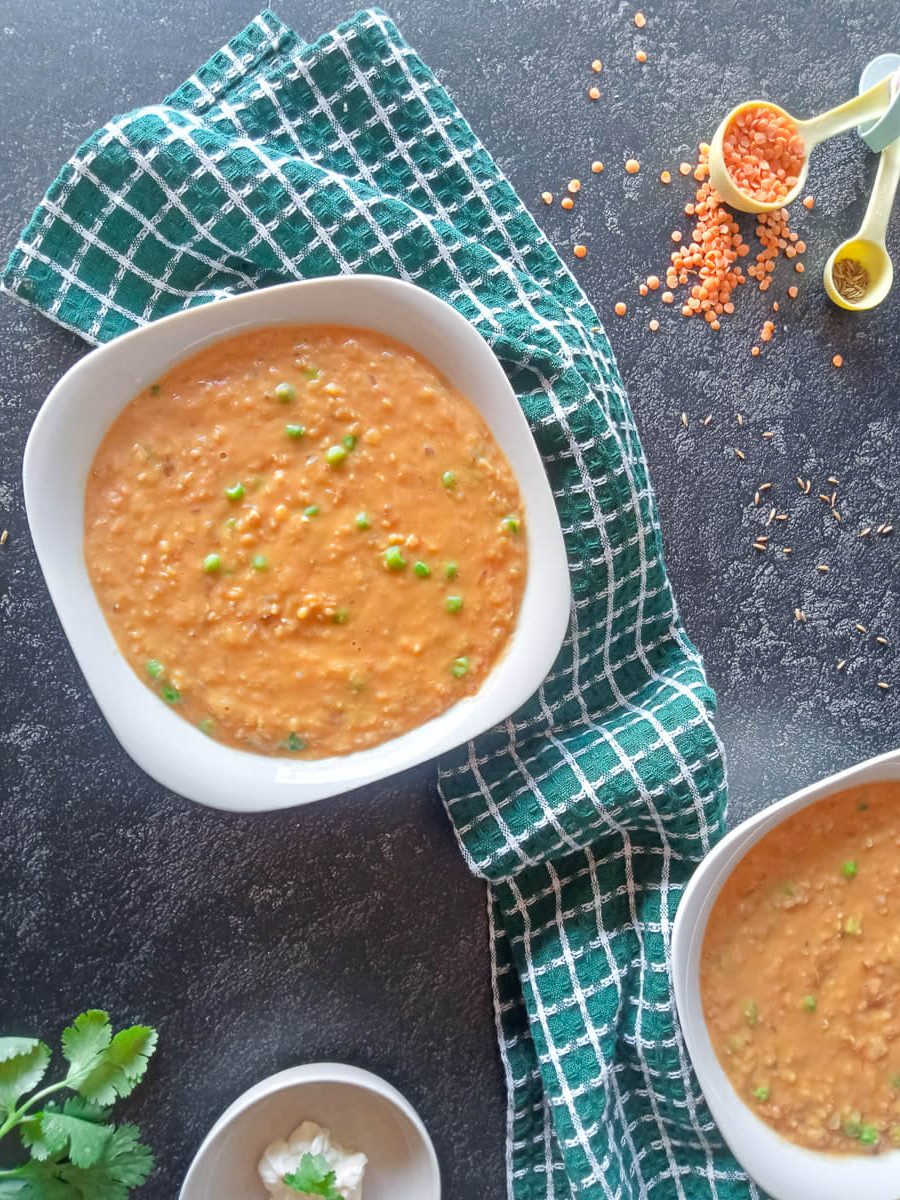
{"points": [[786, 1171]]}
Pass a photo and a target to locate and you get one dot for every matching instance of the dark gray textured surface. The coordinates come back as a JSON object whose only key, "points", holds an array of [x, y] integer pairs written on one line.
{"points": [[352, 930]]}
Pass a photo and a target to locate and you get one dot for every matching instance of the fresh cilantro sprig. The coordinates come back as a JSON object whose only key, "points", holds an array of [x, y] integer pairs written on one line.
{"points": [[313, 1177], [76, 1152]]}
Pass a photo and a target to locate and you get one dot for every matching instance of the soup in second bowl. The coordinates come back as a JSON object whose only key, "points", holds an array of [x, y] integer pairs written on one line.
{"points": [[800, 973]]}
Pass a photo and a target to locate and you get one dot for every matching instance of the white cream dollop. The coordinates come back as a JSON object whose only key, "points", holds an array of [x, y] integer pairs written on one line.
{"points": [[283, 1157]]}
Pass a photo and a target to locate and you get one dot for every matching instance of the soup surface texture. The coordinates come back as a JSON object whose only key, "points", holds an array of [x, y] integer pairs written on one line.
{"points": [[305, 540], [800, 973]]}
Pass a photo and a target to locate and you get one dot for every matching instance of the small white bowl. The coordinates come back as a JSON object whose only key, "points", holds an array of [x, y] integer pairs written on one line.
{"points": [[61, 448], [362, 1112], [784, 1170]]}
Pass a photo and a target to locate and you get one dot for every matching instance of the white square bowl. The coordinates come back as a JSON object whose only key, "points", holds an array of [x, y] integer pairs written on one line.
{"points": [[58, 456], [785, 1170]]}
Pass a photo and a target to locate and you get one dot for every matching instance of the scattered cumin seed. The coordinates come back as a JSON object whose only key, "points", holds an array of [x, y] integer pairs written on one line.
{"points": [[800, 484], [865, 532], [825, 499], [4, 536], [707, 420], [799, 615], [861, 628], [771, 517], [764, 487], [808, 487], [756, 499], [884, 685], [882, 640], [758, 545], [782, 517], [739, 417], [831, 479], [740, 454], [886, 529], [684, 420], [823, 568], [788, 550], [768, 434], [841, 663], [837, 516]]}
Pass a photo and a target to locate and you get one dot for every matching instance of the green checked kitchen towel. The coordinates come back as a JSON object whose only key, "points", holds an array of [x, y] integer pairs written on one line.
{"points": [[587, 811]]}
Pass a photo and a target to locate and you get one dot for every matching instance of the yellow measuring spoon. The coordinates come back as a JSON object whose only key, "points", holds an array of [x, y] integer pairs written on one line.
{"points": [[866, 107], [864, 269]]}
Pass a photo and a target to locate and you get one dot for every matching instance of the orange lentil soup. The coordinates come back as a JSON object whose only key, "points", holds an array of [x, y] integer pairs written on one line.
{"points": [[800, 973], [305, 540]]}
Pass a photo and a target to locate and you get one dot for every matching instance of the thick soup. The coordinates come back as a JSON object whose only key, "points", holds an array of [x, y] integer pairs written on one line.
{"points": [[800, 973], [305, 540]]}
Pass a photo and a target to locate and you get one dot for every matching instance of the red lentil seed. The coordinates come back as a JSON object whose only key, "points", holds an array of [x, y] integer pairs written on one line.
{"points": [[809, 201], [654, 325], [621, 309], [547, 197], [579, 250], [593, 93], [567, 202], [574, 185], [596, 66], [632, 166], [837, 361], [665, 177], [597, 167], [640, 20], [641, 56]]}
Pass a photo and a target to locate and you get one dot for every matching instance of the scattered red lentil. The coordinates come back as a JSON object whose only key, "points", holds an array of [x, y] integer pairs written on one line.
{"points": [[792, 292], [809, 201], [596, 66], [676, 235], [685, 168], [597, 167], [579, 251], [632, 166], [667, 298], [594, 93], [652, 282], [654, 325], [837, 361], [567, 202], [640, 20], [643, 289], [764, 153], [798, 267], [547, 197], [641, 56], [621, 309], [665, 177], [574, 185], [754, 350]]}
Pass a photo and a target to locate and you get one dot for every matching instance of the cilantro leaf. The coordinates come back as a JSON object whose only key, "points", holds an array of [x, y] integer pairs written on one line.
{"points": [[76, 1130], [314, 1177], [102, 1067], [23, 1062], [87, 1036], [124, 1163]]}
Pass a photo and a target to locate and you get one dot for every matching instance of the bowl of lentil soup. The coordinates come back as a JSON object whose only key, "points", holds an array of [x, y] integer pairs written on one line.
{"points": [[288, 536], [786, 972]]}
